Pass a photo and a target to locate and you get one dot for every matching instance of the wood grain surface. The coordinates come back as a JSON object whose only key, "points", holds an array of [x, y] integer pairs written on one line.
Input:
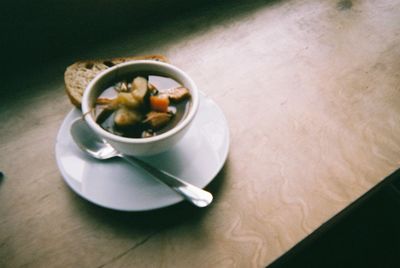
{"points": [[311, 92]]}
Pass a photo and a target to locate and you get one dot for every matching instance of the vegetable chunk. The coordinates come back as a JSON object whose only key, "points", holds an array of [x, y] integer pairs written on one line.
{"points": [[125, 117], [159, 103], [178, 94], [157, 120], [139, 88]]}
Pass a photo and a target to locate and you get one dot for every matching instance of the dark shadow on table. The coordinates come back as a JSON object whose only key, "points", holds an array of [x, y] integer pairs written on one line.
{"points": [[364, 234], [46, 36]]}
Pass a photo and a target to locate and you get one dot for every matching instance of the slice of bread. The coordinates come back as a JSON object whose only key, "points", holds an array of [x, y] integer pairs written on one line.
{"points": [[78, 75]]}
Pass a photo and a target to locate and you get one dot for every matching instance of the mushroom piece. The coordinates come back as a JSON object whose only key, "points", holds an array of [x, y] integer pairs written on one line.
{"points": [[152, 88], [178, 94], [157, 120], [122, 87], [148, 133]]}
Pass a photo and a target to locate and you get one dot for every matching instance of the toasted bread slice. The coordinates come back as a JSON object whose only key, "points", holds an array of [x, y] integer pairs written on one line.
{"points": [[78, 75]]}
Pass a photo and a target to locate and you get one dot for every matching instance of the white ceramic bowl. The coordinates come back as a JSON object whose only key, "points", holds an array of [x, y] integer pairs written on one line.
{"points": [[139, 146]]}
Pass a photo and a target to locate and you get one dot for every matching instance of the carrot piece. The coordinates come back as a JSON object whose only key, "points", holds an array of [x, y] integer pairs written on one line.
{"points": [[159, 103]]}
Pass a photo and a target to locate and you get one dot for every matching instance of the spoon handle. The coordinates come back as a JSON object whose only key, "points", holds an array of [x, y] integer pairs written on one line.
{"points": [[191, 193]]}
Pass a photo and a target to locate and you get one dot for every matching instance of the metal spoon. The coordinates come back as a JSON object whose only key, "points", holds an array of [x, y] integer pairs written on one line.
{"points": [[98, 148]]}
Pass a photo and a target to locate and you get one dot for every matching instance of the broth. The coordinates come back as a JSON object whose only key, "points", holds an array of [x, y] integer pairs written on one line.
{"points": [[152, 118]]}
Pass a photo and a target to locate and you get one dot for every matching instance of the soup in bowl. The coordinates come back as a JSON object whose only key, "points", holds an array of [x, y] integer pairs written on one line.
{"points": [[141, 107]]}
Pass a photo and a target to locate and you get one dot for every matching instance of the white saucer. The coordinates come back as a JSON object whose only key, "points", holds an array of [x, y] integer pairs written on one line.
{"points": [[114, 184]]}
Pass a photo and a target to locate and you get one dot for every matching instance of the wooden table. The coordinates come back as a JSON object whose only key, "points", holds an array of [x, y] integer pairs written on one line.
{"points": [[311, 92]]}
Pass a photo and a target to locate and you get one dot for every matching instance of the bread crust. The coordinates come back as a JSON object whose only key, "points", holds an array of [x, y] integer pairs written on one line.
{"points": [[78, 75]]}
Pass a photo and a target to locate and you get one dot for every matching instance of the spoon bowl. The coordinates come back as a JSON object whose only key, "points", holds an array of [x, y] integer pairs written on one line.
{"points": [[96, 147]]}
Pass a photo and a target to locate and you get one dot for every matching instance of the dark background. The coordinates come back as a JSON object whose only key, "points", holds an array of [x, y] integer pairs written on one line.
{"points": [[36, 34]]}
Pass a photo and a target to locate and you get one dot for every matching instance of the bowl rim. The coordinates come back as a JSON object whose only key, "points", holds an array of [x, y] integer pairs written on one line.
{"points": [[88, 115]]}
